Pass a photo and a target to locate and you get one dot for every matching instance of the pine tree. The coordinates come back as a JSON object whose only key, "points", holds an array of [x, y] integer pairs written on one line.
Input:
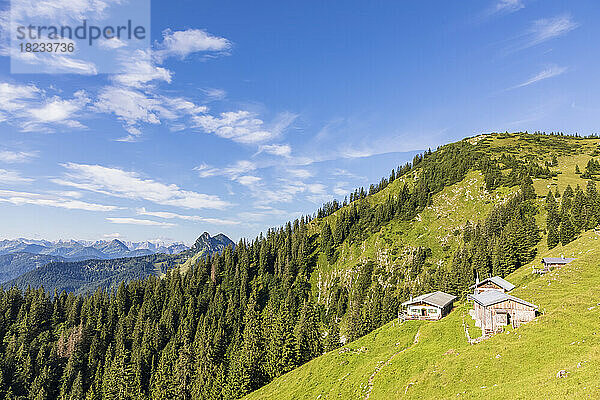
{"points": [[332, 340], [326, 241], [308, 337], [552, 221], [567, 231]]}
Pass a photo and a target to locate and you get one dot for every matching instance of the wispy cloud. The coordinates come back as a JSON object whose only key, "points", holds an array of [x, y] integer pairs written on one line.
{"points": [[136, 221], [135, 107], [8, 156], [248, 180], [214, 94], [300, 173], [130, 185], [545, 29], [243, 126], [28, 107], [550, 28], [7, 176], [194, 218], [507, 6], [21, 198], [232, 171], [546, 73], [282, 150], [183, 43]]}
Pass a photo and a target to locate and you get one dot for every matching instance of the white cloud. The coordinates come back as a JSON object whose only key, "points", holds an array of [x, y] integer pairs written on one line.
{"points": [[14, 97], [239, 126], [130, 106], [112, 43], [204, 170], [135, 221], [548, 28], [214, 94], [508, 6], [300, 173], [135, 107], [340, 189], [70, 193], [347, 174], [282, 150], [12, 177], [183, 43], [233, 171], [243, 126], [195, 218], [248, 180], [26, 106], [20, 198], [57, 110], [139, 70], [119, 183], [16, 156], [547, 73]]}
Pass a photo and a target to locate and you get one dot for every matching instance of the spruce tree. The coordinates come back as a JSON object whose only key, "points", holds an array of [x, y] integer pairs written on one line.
{"points": [[567, 231], [308, 336]]}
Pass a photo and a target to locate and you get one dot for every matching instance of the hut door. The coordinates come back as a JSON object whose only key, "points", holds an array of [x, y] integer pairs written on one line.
{"points": [[423, 312]]}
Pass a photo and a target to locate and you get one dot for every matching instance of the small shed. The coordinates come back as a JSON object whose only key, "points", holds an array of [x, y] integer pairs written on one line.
{"points": [[552, 262], [492, 283], [430, 306], [493, 309]]}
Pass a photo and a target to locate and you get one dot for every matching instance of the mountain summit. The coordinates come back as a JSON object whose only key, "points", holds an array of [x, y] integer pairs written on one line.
{"points": [[210, 244]]}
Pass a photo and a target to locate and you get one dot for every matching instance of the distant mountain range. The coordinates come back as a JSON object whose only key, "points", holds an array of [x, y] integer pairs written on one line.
{"points": [[78, 250], [78, 265]]}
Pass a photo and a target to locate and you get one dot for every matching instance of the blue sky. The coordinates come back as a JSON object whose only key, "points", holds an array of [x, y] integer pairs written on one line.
{"points": [[249, 114]]}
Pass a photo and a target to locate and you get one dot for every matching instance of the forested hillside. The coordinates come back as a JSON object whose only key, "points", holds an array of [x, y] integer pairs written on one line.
{"points": [[233, 322], [86, 276]]}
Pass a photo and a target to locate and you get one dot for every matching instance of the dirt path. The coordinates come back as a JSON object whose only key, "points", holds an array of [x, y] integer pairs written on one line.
{"points": [[382, 364]]}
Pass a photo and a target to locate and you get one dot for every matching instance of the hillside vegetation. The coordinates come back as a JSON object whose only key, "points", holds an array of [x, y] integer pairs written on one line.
{"points": [[429, 369], [224, 326], [521, 363]]}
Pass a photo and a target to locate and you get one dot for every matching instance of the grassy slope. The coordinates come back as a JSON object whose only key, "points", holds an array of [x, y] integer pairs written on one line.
{"points": [[444, 365], [433, 374]]}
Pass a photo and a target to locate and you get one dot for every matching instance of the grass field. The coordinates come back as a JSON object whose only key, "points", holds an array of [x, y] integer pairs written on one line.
{"points": [[518, 364]]}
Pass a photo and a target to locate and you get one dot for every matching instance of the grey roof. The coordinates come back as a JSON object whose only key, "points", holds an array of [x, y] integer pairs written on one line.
{"points": [[491, 297], [557, 260], [503, 283], [438, 299]]}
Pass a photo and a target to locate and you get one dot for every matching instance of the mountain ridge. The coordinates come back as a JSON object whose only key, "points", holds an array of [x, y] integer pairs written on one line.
{"points": [[109, 259], [250, 320]]}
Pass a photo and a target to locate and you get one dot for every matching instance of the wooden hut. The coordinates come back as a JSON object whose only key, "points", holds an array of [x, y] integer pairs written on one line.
{"points": [[430, 306], [552, 262], [492, 283], [494, 309]]}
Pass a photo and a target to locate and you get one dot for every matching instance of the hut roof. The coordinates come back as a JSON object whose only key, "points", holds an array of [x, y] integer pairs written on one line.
{"points": [[438, 299], [557, 260], [503, 283], [492, 297]]}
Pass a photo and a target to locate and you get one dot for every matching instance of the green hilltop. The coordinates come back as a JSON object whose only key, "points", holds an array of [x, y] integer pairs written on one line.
{"points": [[417, 359], [441, 364]]}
